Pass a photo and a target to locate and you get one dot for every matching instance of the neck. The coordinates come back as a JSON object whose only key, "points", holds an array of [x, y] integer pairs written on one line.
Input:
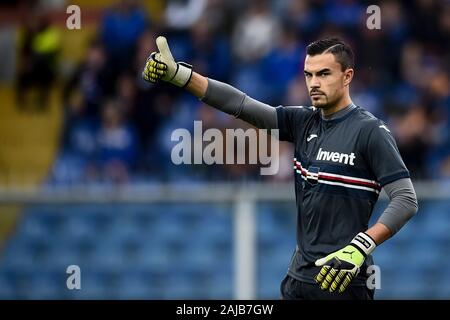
{"points": [[341, 104]]}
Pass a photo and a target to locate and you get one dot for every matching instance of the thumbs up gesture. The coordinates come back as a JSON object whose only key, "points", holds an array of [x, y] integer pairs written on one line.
{"points": [[162, 66]]}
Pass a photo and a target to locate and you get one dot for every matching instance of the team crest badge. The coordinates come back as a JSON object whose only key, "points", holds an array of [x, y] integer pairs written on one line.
{"points": [[313, 175]]}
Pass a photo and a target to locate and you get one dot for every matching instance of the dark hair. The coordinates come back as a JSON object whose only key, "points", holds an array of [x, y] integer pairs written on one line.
{"points": [[341, 51]]}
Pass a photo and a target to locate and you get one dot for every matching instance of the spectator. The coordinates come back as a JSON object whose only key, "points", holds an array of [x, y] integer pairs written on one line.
{"points": [[413, 140], [122, 25], [94, 80], [183, 14], [209, 50], [286, 58], [403, 76], [38, 60], [255, 32], [301, 14], [117, 144]]}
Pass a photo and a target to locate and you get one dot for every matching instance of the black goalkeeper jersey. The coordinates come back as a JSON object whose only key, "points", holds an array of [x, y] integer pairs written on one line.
{"points": [[340, 166]]}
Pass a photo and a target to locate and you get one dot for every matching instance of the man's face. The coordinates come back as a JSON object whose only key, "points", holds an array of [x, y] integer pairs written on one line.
{"points": [[325, 80]]}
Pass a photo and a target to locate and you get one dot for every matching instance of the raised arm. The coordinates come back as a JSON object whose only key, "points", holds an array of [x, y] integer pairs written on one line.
{"points": [[161, 66], [197, 85]]}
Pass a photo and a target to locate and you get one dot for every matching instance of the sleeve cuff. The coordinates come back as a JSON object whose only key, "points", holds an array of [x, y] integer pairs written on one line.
{"points": [[393, 177]]}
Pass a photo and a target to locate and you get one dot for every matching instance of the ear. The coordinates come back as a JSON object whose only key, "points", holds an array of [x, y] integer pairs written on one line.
{"points": [[348, 76]]}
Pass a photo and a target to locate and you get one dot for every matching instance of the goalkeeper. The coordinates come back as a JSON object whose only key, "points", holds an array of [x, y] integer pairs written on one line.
{"points": [[343, 157]]}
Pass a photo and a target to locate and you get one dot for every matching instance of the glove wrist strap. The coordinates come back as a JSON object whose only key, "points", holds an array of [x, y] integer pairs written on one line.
{"points": [[182, 75], [364, 243]]}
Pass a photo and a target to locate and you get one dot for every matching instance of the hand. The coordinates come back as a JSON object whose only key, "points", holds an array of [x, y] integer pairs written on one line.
{"points": [[341, 267], [161, 66]]}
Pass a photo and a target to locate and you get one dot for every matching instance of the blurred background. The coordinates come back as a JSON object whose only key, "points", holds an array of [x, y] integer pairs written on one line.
{"points": [[85, 171]]}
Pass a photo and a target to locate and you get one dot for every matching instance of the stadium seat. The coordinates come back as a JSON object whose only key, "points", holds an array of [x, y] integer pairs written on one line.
{"points": [[171, 251], [7, 288]]}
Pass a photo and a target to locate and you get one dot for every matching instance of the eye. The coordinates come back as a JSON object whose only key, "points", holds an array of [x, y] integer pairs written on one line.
{"points": [[323, 75], [307, 75]]}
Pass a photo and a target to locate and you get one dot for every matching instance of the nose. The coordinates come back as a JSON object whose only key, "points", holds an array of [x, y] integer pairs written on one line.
{"points": [[315, 82]]}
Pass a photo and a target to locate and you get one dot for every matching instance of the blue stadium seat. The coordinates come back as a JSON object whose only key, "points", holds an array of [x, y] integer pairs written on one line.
{"points": [[95, 284], [441, 288], [178, 286], [404, 284], [174, 251], [385, 255], [135, 285], [201, 255], [35, 227], [63, 255], [124, 226], [155, 258], [78, 227], [44, 284], [407, 233], [213, 226], [107, 255], [435, 225], [18, 256], [269, 286], [7, 288], [219, 286]]}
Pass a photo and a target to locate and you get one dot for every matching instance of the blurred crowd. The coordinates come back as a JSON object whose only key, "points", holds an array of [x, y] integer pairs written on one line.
{"points": [[118, 127]]}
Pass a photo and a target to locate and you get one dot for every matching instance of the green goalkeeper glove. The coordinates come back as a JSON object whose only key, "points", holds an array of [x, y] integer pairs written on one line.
{"points": [[161, 66], [341, 267]]}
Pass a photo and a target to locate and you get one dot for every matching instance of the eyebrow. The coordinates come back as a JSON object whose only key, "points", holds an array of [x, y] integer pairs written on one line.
{"points": [[318, 72]]}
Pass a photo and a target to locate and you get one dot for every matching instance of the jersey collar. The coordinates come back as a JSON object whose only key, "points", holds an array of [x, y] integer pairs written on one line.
{"points": [[348, 111]]}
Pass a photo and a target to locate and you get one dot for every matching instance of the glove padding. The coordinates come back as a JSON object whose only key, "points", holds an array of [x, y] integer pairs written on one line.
{"points": [[154, 69], [341, 267], [161, 66]]}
